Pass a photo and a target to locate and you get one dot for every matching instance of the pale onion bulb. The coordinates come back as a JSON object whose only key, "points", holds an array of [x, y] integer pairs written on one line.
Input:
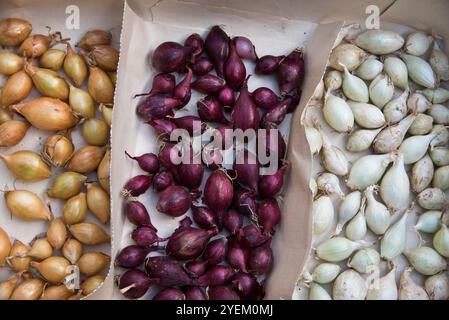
{"points": [[381, 90], [368, 170], [348, 209], [441, 241], [361, 140], [338, 248], [397, 71], [408, 289], [422, 173], [418, 43], [380, 42], [395, 186], [333, 80], [439, 62], [378, 217], [396, 110], [365, 260], [422, 125], [349, 285], [317, 292], [354, 88], [439, 95], [356, 228], [390, 138], [325, 273], [426, 260], [432, 199], [313, 138], [394, 240], [385, 288], [415, 147], [323, 215], [429, 221], [420, 71], [347, 54], [440, 156], [329, 184], [442, 136], [367, 115], [441, 178], [337, 113], [437, 286], [417, 102], [439, 113], [332, 158], [369, 69]]}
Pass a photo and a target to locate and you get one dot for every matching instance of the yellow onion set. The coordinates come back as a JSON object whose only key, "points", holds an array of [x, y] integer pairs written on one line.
{"points": [[76, 86]]}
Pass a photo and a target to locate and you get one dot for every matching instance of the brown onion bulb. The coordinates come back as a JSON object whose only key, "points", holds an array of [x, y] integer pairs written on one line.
{"points": [[57, 150], [75, 67], [98, 203], [40, 249], [100, 86], [19, 259], [10, 63], [105, 56], [75, 209], [7, 287], [72, 250], [95, 132], [86, 159], [12, 132], [35, 46], [17, 88], [48, 82], [53, 269], [14, 31], [27, 165], [92, 263], [53, 59], [67, 185], [91, 284], [30, 289], [57, 233], [89, 233], [60, 292], [93, 38], [81, 103], [47, 114], [26, 205]]}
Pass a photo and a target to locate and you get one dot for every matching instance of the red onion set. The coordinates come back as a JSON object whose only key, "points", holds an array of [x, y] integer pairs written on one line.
{"points": [[224, 252]]}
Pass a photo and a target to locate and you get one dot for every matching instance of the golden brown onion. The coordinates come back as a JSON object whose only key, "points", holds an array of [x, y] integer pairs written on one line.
{"points": [[17, 88], [47, 114], [67, 185], [86, 159], [95, 132], [7, 287], [89, 233], [35, 46], [81, 102], [19, 259], [26, 205], [100, 86], [75, 67], [106, 57], [98, 203], [91, 284], [60, 292], [53, 269], [53, 59], [12, 132], [92, 263], [14, 31], [48, 82], [103, 171], [40, 249], [30, 289], [27, 165], [72, 250], [75, 209], [5, 246], [57, 233], [93, 38], [57, 150], [10, 63]]}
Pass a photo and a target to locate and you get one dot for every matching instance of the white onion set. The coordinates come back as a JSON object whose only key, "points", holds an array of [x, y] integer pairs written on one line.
{"points": [[383, 97]]}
